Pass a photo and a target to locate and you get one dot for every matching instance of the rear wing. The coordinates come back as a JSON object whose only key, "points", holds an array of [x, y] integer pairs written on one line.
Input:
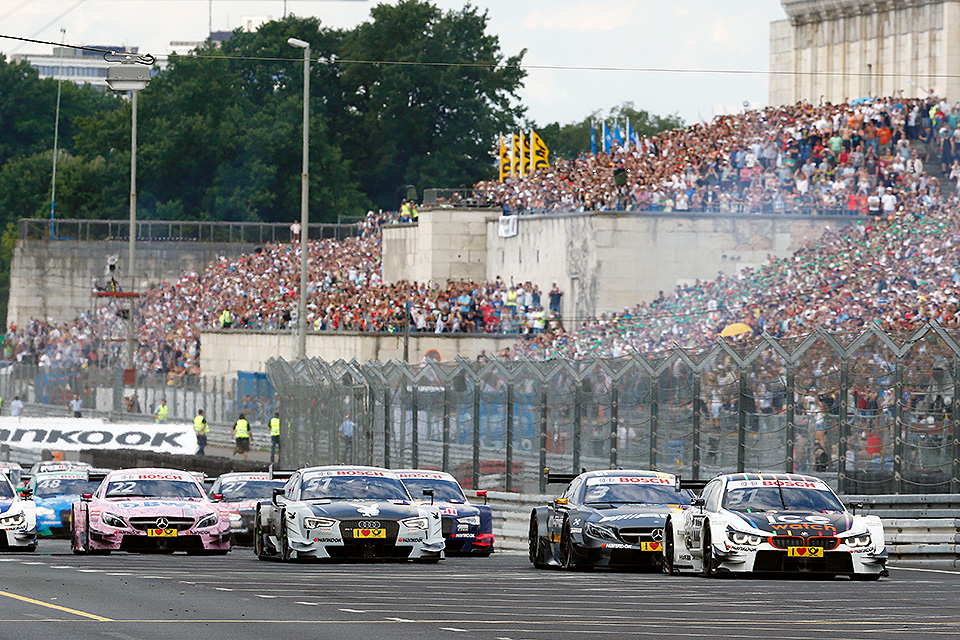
{"points": [[280, 474], [693, 485]]}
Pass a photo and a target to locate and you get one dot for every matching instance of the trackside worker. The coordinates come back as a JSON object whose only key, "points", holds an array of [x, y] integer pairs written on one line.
{"points": [[274, 435], [160, 415], [201, 427], [226, 319], [241, 434]]}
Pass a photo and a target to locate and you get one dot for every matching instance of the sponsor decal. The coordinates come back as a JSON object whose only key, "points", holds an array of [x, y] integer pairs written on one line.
{"points": [[463, 527], [329, 540], [187, 508], [462, 535], [422, 475], [369, 510], [448, 511], [90, 433], [576, 529], [733, 547], [630, 516], [576, 522], [161, 533], [864, 550], [410, 539], [369, 533], [805, 552], [616, 545], [651, 546], [629, 480], [367, 473], [816, 485]]}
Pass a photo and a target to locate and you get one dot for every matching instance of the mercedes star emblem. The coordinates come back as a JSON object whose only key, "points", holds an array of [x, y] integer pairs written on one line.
{"points": [[163, 523], [658, 535]]}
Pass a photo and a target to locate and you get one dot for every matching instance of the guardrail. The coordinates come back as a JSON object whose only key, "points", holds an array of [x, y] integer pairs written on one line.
{"points": [[915, 529]]}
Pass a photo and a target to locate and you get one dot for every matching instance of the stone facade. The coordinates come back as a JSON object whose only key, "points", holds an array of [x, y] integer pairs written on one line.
{"points": [[838, 50]]}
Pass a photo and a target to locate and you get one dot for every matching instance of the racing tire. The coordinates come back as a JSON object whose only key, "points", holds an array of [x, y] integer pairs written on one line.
{"points": [[669, 552], [567, 553], [709, 568], [259, 548], [432, 559], [286, 553], [30, 548], [865, 577], [535, 549]]}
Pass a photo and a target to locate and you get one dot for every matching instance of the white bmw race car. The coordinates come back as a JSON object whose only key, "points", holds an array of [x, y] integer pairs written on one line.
{"points": [[750, 522], [347, 512], [18, 519]]}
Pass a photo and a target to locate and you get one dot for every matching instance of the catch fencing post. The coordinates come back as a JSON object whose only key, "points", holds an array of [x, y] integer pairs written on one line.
{"points": [[654, 418], [509, 460], [791, 417], [697, 384], [741, 421], [475, 476]]}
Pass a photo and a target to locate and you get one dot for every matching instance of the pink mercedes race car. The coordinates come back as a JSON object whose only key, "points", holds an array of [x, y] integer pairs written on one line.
{"points": [[150, 510]]}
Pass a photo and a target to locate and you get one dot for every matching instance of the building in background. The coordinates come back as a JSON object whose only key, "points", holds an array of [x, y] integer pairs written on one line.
{"points": [[75, 65], [837, 50]]}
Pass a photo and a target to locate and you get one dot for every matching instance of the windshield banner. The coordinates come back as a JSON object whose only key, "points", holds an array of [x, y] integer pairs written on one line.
{"points": [[77, 434]]}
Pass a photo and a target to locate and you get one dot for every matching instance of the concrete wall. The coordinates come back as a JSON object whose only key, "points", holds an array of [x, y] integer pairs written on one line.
{"points": [[53, 279], [607, 261], [847, 49], [226, 352], [447, 244]]}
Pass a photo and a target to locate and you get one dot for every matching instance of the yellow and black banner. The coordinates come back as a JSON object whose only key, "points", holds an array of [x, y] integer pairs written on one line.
{"points": [[539, 154], [505, 162]]}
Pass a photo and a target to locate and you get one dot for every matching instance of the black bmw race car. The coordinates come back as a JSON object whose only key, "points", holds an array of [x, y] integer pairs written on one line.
{"points": [[606, 518]]}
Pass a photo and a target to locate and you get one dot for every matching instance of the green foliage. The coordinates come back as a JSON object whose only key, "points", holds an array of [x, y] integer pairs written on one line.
{"points": [[570, 140]]}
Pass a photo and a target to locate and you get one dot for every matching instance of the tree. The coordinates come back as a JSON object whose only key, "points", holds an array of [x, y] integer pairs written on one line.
{"points": [[570, 140], [426, 93]]}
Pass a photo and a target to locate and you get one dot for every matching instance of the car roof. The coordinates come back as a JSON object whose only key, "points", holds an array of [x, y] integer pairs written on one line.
{"points": [[425, 474], [244, 475], [363, 471], [637, 473], [148, 471], [793, 477]]}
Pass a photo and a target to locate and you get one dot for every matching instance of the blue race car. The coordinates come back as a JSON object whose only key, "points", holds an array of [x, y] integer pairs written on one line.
{"points": [[54, 493], [467, 528]]}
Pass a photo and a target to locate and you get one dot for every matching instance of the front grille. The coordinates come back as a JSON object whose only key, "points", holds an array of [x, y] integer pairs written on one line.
{"points": [[447, 526], [636, 535], [829, 543], [142, 523], [392, 527]]}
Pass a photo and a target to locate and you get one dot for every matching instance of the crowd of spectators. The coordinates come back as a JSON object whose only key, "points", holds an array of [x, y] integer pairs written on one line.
{"points": [[842, 158], [896, 267]]}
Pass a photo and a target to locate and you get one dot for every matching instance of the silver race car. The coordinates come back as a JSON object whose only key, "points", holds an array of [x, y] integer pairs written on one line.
{"points": [[347, 512], [750, 522]]}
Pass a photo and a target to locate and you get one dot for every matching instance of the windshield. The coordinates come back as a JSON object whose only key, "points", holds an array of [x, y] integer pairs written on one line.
{"points": [[443, 490], [234, 490], [623, 491], [6, 491], [64, 487], [153, 489], [353, 488], [750, 499]]}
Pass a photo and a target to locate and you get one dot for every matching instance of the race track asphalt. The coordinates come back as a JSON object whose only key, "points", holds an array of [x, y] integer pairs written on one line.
{"points": [[53, 594]]}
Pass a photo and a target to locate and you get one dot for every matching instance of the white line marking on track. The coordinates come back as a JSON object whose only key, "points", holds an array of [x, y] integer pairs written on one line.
{"points": [[266, 597], [90, 570], [223, 589], [353, 610], [955, 573], [120, 573], [401, 620], [311, 604], [453, 629]]}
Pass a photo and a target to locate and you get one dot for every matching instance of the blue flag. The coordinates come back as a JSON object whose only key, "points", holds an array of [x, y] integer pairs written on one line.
{"points": [[607, 138], [629, 133], [616, 133], [593, 140]]}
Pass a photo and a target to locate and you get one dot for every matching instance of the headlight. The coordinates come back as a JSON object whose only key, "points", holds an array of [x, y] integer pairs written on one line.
{"points": [[745, 539], [319, 523], [474, 520], [862, 540], [417, 524], [13, 521], [599, 531], [113, 521], [208, 520]]}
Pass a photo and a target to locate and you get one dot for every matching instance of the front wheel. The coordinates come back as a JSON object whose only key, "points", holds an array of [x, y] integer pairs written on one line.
{"points": [[709, 568], [865, 577], [535, 550], [567, 560], [286, 553], [667, 564]]}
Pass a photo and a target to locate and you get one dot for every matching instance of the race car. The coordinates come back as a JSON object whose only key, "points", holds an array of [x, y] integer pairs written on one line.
{"points": [[160, 510], [347, 512], [752, 522], [241, 493], [605, 518], [467, 528], [18, 520], [55, 492], [12, 470]]}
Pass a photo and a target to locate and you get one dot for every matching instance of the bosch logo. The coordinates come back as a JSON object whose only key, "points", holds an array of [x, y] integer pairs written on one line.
{"points": [[163, 523], [369, 524]]}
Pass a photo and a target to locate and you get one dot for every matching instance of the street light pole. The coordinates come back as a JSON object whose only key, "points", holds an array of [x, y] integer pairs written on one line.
{"points": [[131, 75], [304, 199]]}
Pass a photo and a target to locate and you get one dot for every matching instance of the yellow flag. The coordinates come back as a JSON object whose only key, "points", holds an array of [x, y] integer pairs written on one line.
{"points": [[505, 163], [515, 155], [539, 154]]}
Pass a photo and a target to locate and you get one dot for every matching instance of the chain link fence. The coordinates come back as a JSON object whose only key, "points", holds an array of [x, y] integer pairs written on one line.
{"points": [[870, 413]]}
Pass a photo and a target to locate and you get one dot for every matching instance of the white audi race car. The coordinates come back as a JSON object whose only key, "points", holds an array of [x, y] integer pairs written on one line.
{"points": [[347, 512], [777, 523], [18, 519]]}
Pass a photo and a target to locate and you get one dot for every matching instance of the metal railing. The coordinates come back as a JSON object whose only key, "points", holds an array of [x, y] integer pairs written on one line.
{"points": [[175, 231], [458, 198], [872, 415]]}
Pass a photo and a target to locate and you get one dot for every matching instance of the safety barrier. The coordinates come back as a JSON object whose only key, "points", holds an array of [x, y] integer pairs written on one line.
{"points": [[916, 529]]}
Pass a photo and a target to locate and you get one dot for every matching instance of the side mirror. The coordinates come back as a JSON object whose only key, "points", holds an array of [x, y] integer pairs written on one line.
{"points": [[560, 501], [86, 497], [24, 493], [217, 497], [429, 492], [698, 502], [857, 506], [277, 493], [482, 493]]}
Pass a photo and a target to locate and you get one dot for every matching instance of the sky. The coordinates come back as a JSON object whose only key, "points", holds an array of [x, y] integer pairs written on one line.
{"points": [[633, 41]]}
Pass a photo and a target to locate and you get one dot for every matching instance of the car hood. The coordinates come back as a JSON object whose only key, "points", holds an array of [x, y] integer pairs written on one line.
{"points": [[57, 503], [365, 510], [245, 505], [633, 515], [456, 509], [5, 505], [158, 508], [798, 522]]}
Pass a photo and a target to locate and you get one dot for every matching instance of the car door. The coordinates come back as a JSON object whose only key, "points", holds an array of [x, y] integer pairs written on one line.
{"points": [[560, 507], [695, 516]]}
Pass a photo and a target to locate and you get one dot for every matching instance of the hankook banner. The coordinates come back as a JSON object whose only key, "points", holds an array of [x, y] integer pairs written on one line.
{"points": [[76, 434]]}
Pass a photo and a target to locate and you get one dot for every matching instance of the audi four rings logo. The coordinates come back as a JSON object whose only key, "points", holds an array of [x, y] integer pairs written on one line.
{"points": [[163, 523], [369, 524], [658, 535]]}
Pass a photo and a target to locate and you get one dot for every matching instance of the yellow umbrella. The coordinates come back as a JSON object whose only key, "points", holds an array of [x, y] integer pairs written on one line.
{"points": [[735, 329]]}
